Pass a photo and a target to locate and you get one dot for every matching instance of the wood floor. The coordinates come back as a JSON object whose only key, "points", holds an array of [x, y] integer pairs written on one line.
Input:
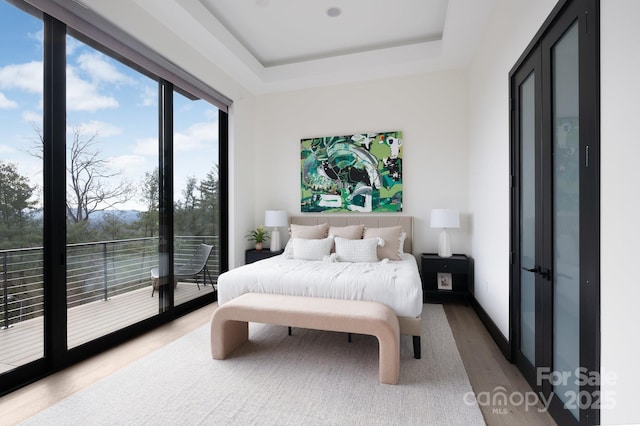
{"points": [[486, 367], [23, 341], [490, 373]]}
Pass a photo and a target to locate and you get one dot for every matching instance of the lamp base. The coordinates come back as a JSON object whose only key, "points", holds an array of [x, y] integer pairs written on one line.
{"points": [[275, 240], [444, 248]]}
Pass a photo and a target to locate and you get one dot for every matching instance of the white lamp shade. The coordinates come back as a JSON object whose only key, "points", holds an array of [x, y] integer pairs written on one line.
{"points": [[276, 218], [445, 218]]}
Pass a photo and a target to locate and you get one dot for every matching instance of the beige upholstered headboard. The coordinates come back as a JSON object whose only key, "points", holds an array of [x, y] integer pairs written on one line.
{"points": [[371, 221]]}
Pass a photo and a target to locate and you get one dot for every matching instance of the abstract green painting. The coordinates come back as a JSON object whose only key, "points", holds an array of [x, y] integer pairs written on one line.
{"points": [[353, 173]]}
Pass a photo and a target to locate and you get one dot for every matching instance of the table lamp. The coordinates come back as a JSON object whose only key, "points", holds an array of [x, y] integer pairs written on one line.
{"points": [[275, 219], [445, 218]]}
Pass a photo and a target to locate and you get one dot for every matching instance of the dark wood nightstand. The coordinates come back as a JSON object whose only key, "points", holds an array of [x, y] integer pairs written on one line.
{"points": [[254, 255], [446, 278]]}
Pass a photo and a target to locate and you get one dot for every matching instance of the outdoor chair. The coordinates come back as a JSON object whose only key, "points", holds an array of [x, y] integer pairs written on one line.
{"points": [[195, 265]]}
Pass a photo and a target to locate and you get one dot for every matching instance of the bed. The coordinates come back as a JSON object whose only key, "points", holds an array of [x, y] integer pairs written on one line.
{"points": [[395, 283]]}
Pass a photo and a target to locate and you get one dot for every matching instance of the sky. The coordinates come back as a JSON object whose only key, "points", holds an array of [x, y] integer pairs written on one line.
{"points": [[104, 98]]}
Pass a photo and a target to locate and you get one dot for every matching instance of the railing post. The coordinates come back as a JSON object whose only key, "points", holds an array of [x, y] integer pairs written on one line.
{"points": [[6, 291], [105, 278]]}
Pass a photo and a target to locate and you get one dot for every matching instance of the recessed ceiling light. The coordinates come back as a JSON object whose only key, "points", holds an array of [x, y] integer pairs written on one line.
{"points": [[333, 12]]}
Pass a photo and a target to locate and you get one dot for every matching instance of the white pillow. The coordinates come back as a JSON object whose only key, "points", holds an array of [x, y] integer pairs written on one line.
{"points": [[311, 249], [403, 237], [357, 250]]}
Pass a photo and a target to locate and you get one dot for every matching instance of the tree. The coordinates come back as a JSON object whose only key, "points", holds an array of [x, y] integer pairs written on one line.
{"points": [[209, 202], [186, 215], [90, 184], [15, 207], [89, 189], [150, 193]]}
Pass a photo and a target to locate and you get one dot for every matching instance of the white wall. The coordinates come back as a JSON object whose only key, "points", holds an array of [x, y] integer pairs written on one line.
{"points": [[511, 28], [431, 110], [620, 204]]}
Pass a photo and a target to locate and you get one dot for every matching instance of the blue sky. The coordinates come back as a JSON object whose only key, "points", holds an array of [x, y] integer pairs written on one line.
{"points": [[104, 98]]}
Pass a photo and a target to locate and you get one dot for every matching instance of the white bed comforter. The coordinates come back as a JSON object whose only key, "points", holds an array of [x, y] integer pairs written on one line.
{"points": [[395, 283]]}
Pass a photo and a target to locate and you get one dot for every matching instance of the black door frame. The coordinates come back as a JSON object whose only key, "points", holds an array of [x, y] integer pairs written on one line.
{"points": [[537, 56]]}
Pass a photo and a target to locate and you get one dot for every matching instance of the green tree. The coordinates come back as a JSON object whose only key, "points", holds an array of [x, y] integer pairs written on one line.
{"points": [[16, 205], [113, 227], [186, 210], [149, 195], [209, 202]]}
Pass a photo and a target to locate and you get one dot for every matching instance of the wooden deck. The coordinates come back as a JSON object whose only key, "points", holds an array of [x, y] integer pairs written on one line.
{"points": [[23, 341]]}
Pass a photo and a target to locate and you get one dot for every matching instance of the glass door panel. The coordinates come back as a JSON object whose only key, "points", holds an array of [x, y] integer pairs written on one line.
{"points": [[112, 217], [527, 218], [566, 214], [196, 212], [21, 182]]}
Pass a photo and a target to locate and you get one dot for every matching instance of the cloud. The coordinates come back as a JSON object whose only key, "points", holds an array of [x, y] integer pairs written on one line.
{"points": [[146, 146], [149, 96], [95, 127], [84, 96], [196, 136], [127, 162], [37, 36], [27, 77], [6, 103], [100, 70], [211, 114], [72, 45], [32, 117], [4, 149]]}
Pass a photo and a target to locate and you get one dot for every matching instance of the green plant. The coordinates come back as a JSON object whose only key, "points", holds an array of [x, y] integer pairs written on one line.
{"points": [[259, 235]]}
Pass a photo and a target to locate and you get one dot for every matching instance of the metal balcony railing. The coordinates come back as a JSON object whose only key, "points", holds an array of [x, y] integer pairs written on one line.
{"points": [[95, 271]]}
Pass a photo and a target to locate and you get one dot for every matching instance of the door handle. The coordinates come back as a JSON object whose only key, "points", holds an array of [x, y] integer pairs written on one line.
{"points": [[538, 270]]}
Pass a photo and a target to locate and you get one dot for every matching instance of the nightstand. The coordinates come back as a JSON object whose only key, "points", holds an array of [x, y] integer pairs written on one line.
{"points": [[254, 255], [446, 278]]}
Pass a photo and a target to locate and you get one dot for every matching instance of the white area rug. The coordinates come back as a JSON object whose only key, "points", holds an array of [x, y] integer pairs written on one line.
{"points": [[310, 378]]}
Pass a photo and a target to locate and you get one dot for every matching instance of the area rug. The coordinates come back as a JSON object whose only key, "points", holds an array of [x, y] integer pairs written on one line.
{"points": [[309, 378]]}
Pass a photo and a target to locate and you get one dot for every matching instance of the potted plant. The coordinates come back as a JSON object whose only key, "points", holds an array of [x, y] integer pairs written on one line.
{"points": [[259, 235]]}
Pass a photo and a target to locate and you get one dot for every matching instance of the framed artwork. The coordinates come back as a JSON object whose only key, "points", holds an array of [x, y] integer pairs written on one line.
{"points": [[354, 173], [445, 281]]}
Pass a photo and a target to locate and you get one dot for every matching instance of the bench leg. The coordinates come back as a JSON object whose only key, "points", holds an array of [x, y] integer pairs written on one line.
{"points": [[289, 331], [389, 363], [227, 336], [416, 347]]}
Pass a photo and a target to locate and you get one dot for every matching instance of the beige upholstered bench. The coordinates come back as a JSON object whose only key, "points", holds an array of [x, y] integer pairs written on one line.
{"points": [[230, 328]]}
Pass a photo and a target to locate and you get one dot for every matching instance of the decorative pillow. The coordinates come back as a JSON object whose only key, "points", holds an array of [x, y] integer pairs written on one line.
{"points": [[357, 250], [309, 231], [311, 249], [391, 237], [351, 232]]}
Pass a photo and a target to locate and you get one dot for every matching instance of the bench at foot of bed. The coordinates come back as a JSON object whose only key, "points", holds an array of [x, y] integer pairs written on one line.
{"points": [[230, 328]]}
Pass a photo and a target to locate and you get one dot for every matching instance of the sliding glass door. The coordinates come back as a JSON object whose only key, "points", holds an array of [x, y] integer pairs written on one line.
{"points": [[196, 189], [21, 185], [112, 239], [102, 202]]}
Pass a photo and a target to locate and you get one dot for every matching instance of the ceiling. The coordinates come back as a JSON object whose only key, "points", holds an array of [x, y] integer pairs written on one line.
{"points": [[276, 45]]}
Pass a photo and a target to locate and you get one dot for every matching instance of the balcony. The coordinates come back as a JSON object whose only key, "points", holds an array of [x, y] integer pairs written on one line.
{"points": [[108, 288]]}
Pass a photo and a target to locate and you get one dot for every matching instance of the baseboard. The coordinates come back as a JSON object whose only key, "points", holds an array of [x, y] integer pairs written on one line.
{"points": [[492, 328]]}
